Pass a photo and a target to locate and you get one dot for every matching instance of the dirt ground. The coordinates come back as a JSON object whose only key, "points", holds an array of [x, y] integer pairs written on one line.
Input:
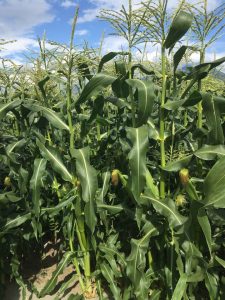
{"points": [[39, 277]]}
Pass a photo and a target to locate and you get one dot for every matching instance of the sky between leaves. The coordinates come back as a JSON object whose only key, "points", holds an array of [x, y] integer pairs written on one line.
{"points": [[25, 20]]}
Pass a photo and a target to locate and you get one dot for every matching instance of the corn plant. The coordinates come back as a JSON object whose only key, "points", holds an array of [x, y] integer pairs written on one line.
{"points": [[106, 155]]}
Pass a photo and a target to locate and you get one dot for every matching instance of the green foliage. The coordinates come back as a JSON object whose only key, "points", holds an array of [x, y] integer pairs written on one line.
{"points": [[93, 153]]}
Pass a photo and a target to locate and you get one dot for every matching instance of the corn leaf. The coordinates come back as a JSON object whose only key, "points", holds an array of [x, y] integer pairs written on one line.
{"points": [[137, 159], [9, 197], [51, 284], [109, 56], [136, 261], [107, 272], [177, 165], [5, 108], [206, 227], [36, 183], [166, 208], [52, 155], [15, 221], [211, 283], [210, 152], [16, 145], [89, 183], [202, 70], [146, 97], [49, 114], [179, 55], [86, 173], [94, 86], [180, 25], [214, 186], [212, 114], [180, 288]]}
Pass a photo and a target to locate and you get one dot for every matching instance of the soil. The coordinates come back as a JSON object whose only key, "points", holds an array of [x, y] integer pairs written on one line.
{"points": [[33, 274]]}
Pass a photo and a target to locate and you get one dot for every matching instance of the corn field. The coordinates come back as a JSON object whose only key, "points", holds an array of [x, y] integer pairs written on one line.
{"points": [[118, 161]]}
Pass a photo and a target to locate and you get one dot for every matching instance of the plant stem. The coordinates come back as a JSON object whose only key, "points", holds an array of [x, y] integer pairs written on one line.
{"points": [[130, 61], [69, 83], [162, 124], [199, 107], [84, 247], [202, 60], [76, 265]]}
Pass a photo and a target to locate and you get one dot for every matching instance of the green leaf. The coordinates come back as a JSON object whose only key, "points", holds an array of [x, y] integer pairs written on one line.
{"points": [[96, 84], [220, 261], [211, 111], [89, 183], [208, 152], [202, 70], [220, 101], [66, 285], [5, 108], [75, 297], [107, 272], [9, 197], [214, 186], [136, 261], [97, 109], [101, 195], [119, 86], [41, 85], [112, 209], [206, 227], [86, 173], [105, 186], [52, 211], [36, 183], [49, 114], [146, 97], [153, 131], [109, 56], [180, 25], [90, 216], [137, 159], [16, 145], [211, 283], [179, 164], [84, 70], [15, 221], [180, 288], [144, 70], [179, 55], [112, 251], [52, 155], [192, 100], [51, 284], [151, 185], [166, 208], [173, 104]]}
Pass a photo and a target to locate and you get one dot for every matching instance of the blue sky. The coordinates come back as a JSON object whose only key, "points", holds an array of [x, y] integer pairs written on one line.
{"points": [[24, 20]]}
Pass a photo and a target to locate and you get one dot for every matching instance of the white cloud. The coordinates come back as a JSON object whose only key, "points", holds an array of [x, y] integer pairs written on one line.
{"points": [[81, 32], [68, 3], [114, 43], [210, 56], [89, 15], [19, 17], [20, 45]]}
